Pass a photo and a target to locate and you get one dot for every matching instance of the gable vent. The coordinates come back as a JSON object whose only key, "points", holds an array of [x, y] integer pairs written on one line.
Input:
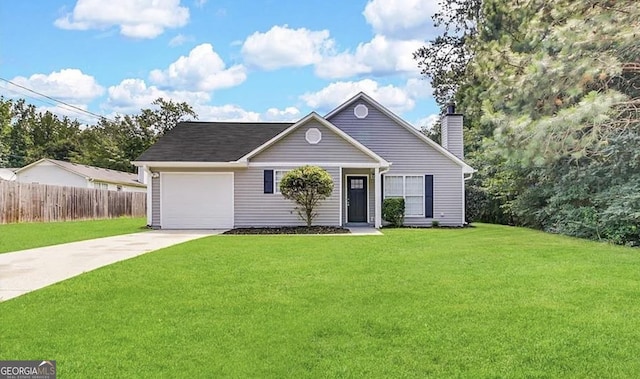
{"points": [[361, 111], [313, 136]]}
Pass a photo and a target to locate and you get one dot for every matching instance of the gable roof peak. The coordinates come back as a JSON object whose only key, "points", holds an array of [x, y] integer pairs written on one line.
{"points": [[384, 110]]}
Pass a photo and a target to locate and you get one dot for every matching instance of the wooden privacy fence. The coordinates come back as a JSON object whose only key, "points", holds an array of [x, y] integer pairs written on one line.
{"points": [[32, 202]]}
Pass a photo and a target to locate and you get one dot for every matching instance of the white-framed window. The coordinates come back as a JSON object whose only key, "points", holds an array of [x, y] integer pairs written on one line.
{"points": [[101, 186], [409, 187], [277, 178]]}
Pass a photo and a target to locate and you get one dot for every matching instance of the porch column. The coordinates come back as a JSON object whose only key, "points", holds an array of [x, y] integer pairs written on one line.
{"points": [[378, 198]]}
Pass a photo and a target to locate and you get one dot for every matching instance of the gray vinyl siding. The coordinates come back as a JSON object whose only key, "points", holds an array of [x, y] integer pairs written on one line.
{"points": [[409, 156], [155, 202], [371, 189], [452, 134], [253, 207], [295, 148]]}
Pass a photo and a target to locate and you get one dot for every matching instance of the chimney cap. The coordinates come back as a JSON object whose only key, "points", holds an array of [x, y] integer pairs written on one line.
{"points": [[451, 108]]}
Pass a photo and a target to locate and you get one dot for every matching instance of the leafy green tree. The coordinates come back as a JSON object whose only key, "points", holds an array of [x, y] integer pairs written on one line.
{"points": [[550, 91], [115, 143], [165, 117], [444, 60], [5, 128], [18, 137], [53, 137], [306, 186]]}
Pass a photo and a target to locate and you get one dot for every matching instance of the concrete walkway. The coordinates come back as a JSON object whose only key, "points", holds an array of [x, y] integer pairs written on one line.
{"points": [[28, 270], [363, 231]]}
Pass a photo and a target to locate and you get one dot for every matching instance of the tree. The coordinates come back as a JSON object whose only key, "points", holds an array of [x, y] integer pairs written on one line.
{"points": [[165, 117], [551, 96], [5, 127], [306, 186], [115, 143], [18, 136], [444, 60]]}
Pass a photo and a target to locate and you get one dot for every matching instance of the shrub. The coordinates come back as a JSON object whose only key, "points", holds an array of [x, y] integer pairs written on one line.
{"points": [[306, 186], [393, 211], [435, 223]]}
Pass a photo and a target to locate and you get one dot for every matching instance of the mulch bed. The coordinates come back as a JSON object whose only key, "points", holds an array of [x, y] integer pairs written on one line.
{"points": [[290, 230]]}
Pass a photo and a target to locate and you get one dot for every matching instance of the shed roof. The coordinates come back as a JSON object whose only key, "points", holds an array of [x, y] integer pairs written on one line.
{"points": [[91, 172]]}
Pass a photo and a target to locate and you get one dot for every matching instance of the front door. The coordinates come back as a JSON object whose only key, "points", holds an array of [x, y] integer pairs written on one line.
{"points": [[357, 199]]}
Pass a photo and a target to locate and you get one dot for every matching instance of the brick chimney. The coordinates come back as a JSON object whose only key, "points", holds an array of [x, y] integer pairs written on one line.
{"points": [[452, 132]]}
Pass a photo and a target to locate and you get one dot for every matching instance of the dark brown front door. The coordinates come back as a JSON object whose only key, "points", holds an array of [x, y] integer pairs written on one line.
{"points": [[357, 199]]}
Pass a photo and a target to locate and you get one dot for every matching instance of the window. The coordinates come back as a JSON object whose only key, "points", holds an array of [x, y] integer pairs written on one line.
{"points": [[357, 183], [101, 186], [409, 187], [278, 178], [414, 195], [393, 186]]}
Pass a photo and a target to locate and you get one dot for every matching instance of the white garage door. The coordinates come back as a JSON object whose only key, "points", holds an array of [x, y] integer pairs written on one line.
{"points": [[196, 201]]}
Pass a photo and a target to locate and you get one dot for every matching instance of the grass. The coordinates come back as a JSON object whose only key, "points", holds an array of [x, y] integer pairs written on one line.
{"points": [[484, 302], [15, 237]]}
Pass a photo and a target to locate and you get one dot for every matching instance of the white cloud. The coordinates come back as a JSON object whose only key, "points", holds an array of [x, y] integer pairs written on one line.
{"points": [[136, 18], [232, 112], [284, 47], [380, 56], [287, 114], [418, 88], [69, 85], [179, 39], [395, 98], [200, 3], [227, 112], [131, 95], [201, 70], [426, 122], [401, 18]]}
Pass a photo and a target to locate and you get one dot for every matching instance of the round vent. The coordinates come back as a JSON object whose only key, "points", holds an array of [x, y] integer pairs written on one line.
{"points": [[313, 136], [361, 111]]}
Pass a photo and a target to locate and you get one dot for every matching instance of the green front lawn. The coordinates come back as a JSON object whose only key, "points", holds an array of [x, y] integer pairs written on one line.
{"points": [[482, 302], [15, 237]]}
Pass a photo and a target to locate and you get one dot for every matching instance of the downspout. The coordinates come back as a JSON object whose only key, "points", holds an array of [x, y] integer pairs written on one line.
{"points": [[379, 201]]}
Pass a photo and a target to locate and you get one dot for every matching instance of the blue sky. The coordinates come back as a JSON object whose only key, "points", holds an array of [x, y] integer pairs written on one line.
{"points": [[231, 60]]}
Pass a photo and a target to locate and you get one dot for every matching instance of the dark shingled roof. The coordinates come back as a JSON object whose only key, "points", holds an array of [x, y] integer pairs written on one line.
{"points": [[211, 141]]}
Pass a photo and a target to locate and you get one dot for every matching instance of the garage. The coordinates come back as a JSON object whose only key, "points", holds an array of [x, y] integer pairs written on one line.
{"points": [[196, 200]]}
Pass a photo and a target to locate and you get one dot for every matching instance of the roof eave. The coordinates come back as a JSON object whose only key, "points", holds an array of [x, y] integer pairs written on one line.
{"points": [[130, 184], [175, 164]]}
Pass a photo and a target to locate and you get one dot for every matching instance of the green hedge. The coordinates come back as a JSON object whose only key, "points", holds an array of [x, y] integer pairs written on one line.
{"points": [[393, 211]]}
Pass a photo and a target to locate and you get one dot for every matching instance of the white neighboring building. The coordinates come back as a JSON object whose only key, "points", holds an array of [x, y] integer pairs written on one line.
{"points": [[61, 173], [7, 174]]}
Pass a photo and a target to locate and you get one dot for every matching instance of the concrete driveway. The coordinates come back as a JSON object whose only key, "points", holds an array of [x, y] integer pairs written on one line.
{"points": [[28, 270]]}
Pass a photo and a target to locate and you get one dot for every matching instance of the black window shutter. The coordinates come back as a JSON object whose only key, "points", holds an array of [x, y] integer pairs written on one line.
{"points": [[268, 181], [382, 186], [428, 196]]}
